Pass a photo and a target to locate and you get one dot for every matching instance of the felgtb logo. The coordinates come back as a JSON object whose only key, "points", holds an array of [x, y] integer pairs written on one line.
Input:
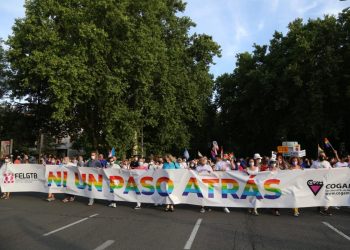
{"points": [[9, 178]]}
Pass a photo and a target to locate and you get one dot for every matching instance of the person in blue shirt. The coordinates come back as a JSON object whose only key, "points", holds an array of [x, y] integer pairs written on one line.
{"points": [[93, 163], [170, 163], [102, 160]]}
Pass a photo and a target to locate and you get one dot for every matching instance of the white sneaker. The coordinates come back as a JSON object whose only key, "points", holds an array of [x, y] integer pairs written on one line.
{"points": [[113, 204], [202, 210], [226, 210], [91, 202], [137, 207]]}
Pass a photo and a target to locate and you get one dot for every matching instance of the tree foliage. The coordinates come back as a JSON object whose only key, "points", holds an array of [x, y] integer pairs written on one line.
{"points": [[295, 88], [108, 72]]}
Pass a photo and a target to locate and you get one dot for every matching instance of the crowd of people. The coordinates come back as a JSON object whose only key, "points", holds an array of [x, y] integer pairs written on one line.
{"points": [[202, 164]]}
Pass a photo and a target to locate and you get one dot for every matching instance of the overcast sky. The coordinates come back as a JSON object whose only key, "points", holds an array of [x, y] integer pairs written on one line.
{"points": [[234, 24]]}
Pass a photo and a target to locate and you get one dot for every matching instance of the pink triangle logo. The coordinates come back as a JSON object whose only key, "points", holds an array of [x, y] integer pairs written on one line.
{"points": [[315, 186]]}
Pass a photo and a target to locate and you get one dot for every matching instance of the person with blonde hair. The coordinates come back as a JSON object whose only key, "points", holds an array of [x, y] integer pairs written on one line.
{"points": [[170, 163]]}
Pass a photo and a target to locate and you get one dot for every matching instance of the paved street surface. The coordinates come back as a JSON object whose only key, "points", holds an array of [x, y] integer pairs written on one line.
{"points": [[29, 222]]}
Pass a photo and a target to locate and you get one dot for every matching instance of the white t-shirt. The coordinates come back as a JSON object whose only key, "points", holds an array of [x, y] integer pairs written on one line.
{"points": [[183, 165], [321, 164], [222, 166], [114, 165], [253, 172], [204, 169], [341, 164]]}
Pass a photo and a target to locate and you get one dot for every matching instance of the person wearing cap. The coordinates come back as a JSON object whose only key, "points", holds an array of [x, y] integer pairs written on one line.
{"points": [[252, 169], [257, 159]]}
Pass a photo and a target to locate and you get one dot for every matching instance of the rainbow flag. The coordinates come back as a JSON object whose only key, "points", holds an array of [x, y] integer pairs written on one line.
{"points": [[327, 143]]}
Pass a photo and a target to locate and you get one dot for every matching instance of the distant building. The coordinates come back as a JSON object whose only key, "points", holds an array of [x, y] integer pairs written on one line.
{"points": [[63, 147]]}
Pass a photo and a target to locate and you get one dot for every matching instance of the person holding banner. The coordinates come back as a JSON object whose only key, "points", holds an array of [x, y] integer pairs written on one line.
{"points": [[322, 163], [341, 163], [93, 163], [66, 162], [274, 168], [221, 165], [203, 169], [50, 196], [295, 165], [253, 169], [7, 162], [170, 163], [112, 164]]}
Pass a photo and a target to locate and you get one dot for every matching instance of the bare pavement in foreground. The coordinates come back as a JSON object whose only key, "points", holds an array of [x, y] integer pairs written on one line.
{"points": [[29, 222]]}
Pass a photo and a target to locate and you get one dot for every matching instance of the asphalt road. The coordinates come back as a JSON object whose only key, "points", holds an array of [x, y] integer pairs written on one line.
{"points": [[29, 222]]}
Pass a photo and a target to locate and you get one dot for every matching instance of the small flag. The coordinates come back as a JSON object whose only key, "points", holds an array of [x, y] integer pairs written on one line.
{"points": [[186, 154], [199, 154], [111, 152], [319, 150]]}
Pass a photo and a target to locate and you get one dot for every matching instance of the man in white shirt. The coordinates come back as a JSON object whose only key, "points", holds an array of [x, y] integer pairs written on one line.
{"points": [[321, 162]]}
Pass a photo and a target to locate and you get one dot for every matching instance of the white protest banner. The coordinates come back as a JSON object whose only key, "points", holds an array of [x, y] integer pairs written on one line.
{"points": [[282, 189]]}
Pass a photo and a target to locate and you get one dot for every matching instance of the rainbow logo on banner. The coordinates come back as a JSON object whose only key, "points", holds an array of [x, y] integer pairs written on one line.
{"points": [[92, 182], [211, 183], [169, 186], [115, 182], [81, 184], [145, 184], [131, 186], [251, 189], [229, 186], [277, 191], [57, 179], [192, 187]]}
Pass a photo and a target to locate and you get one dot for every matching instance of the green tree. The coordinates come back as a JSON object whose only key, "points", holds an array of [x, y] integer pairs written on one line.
{"points": [[112, 72], [296, 88]]}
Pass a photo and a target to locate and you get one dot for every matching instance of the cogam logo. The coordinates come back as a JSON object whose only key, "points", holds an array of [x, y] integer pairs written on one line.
{"points": [[315, 186]]}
